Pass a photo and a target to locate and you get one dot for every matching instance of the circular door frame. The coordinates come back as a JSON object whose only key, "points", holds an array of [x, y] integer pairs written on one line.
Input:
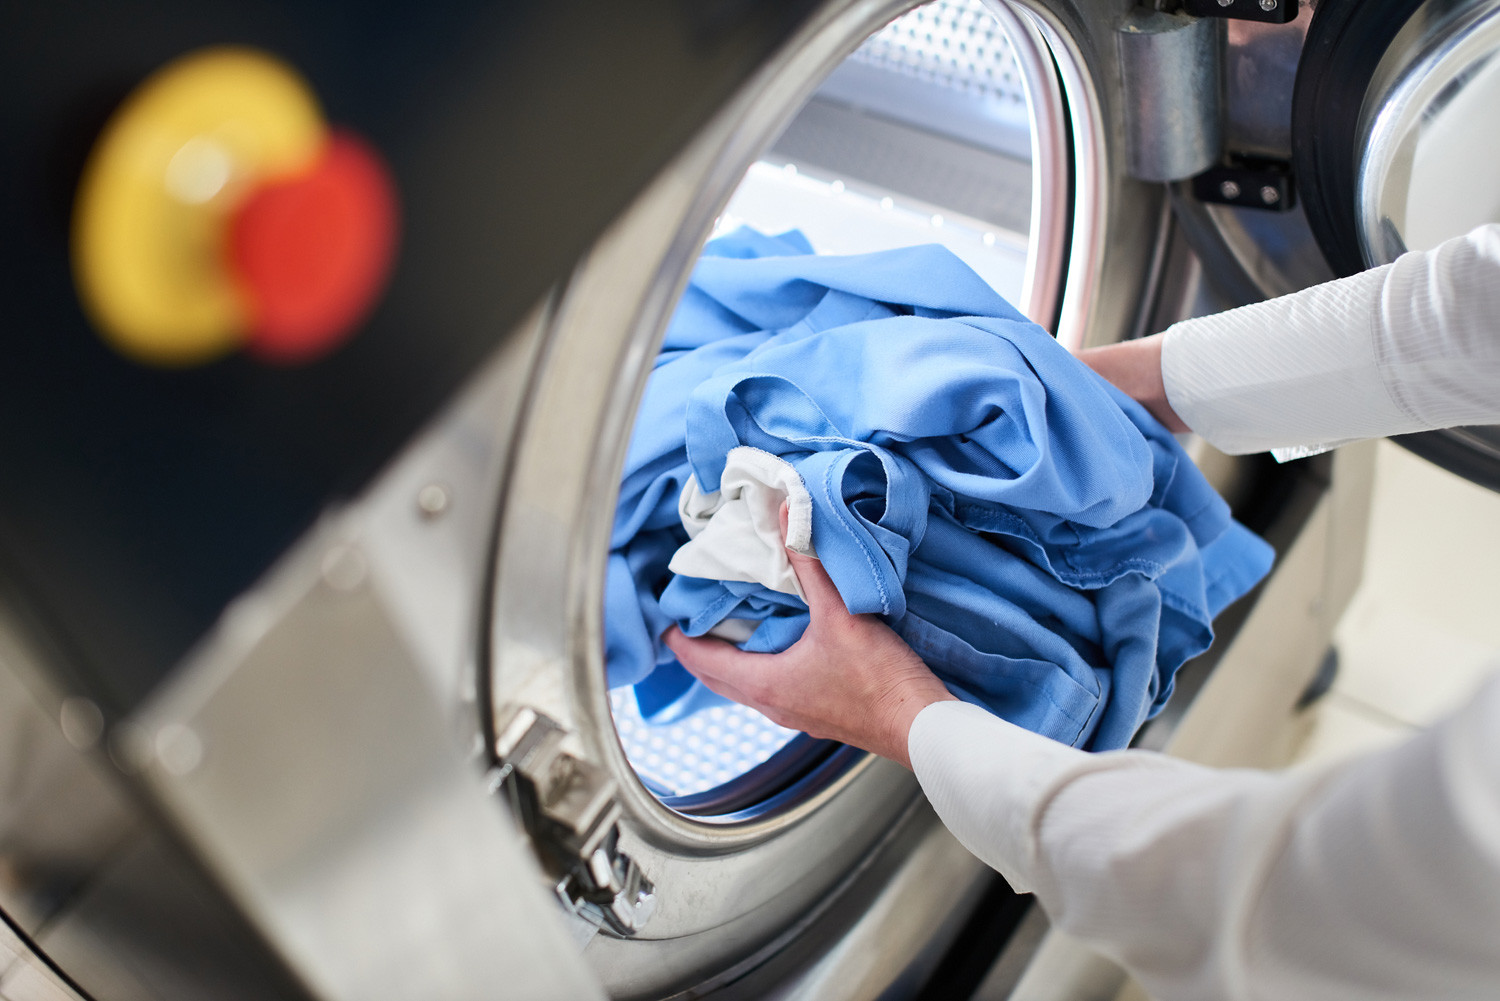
{"points": [[725, 890]]}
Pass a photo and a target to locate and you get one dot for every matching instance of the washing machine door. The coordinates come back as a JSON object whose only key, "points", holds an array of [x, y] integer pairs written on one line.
{"points": [[1395, 149]]}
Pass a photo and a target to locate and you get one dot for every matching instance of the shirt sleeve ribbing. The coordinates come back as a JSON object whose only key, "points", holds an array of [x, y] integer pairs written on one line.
{"points": [[1411, 346]]}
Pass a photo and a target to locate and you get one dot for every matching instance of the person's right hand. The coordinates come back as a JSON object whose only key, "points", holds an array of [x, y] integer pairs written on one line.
{"points": [[849, 678]]}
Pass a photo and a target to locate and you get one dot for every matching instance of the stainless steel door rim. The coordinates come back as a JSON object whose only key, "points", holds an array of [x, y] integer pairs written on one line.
{"points": [[726, 887]]}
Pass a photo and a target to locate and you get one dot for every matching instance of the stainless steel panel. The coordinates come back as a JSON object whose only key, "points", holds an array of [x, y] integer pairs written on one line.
{"points": [[1170, 69], [309, 765]]}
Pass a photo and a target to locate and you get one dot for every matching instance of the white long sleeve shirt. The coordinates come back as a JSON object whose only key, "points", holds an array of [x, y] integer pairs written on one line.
{"points": [[1367, 879]]}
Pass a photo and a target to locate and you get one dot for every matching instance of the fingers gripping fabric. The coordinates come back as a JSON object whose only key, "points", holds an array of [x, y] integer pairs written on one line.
{"points": [[1034, 534], [735, 532]]}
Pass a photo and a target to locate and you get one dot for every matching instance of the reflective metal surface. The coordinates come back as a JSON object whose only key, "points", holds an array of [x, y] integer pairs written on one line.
{"points": [[726, 889], [1053, 162], [94, 897], [1428, 170], [1172, 121], [1260, 61], [316, 775], [1251, 254]]}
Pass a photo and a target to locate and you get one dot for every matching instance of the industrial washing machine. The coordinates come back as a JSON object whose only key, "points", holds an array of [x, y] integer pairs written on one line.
{"points": [[302, 689]]}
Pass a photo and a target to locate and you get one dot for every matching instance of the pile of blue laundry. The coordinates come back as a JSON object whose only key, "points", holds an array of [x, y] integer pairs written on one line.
{"points": [[1034, 534]]}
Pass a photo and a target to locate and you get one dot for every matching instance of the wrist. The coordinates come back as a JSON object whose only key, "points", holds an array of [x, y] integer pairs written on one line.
{"points": [[1134, 368], [903, 713]]}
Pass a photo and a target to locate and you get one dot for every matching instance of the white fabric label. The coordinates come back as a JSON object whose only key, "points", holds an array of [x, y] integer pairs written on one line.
{"points": [[735, 532]]}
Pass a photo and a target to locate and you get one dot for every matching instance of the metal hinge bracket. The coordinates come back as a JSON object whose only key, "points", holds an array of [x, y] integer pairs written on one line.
{"points": [[1270, 11], [569, 805], [1249, 183]]}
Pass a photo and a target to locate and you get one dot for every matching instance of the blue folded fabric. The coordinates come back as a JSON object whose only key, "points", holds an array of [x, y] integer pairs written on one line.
{"points": [[1034, 534]]}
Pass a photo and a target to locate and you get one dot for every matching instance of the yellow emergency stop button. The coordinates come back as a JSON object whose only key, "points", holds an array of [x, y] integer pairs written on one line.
{"points": [[154, 203]]}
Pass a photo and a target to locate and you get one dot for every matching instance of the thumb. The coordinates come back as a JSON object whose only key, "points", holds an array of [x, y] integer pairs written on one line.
{"points": [[818, 589]]}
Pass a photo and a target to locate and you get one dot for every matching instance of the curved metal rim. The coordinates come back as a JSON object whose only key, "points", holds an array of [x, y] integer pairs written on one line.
{"points": [[546, 631], [1084, 146], [1408, 78], [1345, 43], [1051, 165], [764, 109], [785, 779], [1383, 60]]}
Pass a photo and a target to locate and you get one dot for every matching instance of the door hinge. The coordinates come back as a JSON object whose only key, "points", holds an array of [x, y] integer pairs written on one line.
{"points": [[1249, 183], [570, 807], [1271, 11]]}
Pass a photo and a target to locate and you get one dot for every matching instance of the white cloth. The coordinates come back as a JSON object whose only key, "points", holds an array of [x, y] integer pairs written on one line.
{"points": [[1374, 878], [735, 531], [1412, 346]]}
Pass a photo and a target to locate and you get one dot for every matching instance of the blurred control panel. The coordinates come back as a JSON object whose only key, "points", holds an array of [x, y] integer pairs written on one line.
{"points": [[248, 248]]}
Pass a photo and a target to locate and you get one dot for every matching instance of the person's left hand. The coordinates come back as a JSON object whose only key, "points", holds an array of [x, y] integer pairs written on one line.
{"points": [[849, 678]]}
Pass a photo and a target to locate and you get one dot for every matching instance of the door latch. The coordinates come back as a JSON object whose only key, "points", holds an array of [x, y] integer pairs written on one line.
{"points": [[570, 807]]}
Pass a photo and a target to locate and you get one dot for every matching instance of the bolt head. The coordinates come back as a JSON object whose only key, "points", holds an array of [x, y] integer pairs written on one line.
{"points": [[1229, 189], [1268, 5], [1225, 3], [1269, 195]]}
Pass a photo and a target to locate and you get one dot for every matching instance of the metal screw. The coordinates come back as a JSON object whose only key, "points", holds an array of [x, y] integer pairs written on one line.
{"points": [[1229, 189], [1268, 5], [433, 501], [1270, 195], [1225, 3]]}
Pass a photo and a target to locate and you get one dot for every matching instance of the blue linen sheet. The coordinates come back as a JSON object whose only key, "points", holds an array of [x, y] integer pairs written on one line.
{"points": [[1034, 534]]}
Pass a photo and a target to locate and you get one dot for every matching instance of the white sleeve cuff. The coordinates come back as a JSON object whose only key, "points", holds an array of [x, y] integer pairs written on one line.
{"points": [[1407, 347], [990, 780], [1295, 371]]}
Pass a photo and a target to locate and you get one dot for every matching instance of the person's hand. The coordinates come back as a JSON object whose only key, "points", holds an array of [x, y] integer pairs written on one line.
{"points": [[849, 678], [1134, 367]]}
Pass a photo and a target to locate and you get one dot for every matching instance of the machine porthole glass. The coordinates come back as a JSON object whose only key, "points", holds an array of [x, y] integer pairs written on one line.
{"points": [[926, 133], [1426, 171]]}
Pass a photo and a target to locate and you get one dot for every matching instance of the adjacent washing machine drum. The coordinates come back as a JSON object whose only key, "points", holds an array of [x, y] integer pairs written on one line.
{"points": [[1395, 150]]}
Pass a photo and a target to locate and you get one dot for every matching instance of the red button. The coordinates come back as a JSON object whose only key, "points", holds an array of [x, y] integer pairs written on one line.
{"points": [[312, 252]]}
